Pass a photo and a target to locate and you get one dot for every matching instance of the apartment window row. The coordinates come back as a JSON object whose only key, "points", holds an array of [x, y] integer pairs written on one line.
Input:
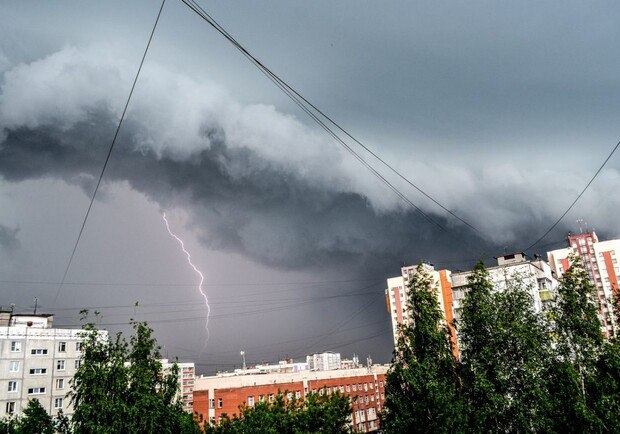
{"points": [[16, 347]]}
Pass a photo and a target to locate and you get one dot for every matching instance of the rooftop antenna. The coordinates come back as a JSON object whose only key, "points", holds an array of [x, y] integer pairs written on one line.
{"points": [[36, 304], [580, 222], [243, 355]]}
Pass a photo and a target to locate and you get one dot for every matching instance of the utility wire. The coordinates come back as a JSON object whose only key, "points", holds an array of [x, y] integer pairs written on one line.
{"points": [[107, 159], [576, 199], [300, 100], [157, 284]]}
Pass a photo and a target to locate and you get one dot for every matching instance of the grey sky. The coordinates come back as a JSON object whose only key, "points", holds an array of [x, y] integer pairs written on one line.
{"points": [[501, 111]]}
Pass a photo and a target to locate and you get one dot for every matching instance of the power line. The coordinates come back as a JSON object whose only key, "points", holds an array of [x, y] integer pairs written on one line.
{"points": [[576, 199], [300, 100], [159, 284], [107, 159]]}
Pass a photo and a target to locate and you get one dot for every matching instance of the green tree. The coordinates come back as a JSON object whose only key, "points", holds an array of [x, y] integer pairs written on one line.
{"points": [[120, 387], [605, 392], [423, 387], [505, 349], [317, 413], [578, 341], [35, 420]]}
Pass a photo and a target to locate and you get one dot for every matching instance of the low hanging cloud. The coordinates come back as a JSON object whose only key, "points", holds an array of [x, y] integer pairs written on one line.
{"points": [[254, 180]]}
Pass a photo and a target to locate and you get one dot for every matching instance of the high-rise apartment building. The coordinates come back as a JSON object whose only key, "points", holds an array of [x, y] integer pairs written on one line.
{"points": [[323, 361], [535, 275], [397, 295], [600, 259], [186, 377], [37, 361]]}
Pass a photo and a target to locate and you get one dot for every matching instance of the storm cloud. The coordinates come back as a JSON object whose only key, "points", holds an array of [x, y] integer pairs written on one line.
{"points": [[254, 180]]}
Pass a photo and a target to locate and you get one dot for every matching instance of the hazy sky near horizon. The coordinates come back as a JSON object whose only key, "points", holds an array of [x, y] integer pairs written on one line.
{"points": [[500, 111]]}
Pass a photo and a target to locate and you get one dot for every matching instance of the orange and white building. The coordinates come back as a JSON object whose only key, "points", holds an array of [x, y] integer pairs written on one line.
{"points": [[222, 394], [600, 259], [396, 297], [186, 378]]}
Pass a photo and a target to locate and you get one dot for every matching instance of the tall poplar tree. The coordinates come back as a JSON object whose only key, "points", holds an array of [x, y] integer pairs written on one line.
{"points": [[578, 344], [504, 352], [422, 389]]}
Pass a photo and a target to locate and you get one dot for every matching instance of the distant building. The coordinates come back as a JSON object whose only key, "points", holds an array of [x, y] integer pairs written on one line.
{"points": [[219, 394], [323, 361], [37, 361], [186, 382], [397, 297], [600, 259]]}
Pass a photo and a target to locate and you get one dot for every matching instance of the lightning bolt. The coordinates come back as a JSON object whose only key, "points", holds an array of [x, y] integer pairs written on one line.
{"points": [[202, 278]]}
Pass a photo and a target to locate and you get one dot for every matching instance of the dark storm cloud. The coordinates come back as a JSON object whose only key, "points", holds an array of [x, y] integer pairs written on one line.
{"points": [[257, 181], [9, 240], [268, 214]]}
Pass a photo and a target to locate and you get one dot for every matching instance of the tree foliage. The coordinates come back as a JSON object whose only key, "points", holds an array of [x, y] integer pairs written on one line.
{"points": [[34, 420], [519, 370], [317, 413], [120, 387], [422, 385]]}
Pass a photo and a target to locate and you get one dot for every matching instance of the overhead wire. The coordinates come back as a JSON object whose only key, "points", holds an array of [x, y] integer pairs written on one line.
{"points": [[300, 100], [107, 159], [542, 237]]}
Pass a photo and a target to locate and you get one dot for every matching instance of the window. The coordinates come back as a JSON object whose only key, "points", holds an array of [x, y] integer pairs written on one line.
{"points": [[298, 394], [78, 346], [250, 401], [212, 403], [60, 383], [270, 397], [78, 363], [58, 403], [60, 365], [39, 351], [354, 388], [16, 347], [348, 388], [10, 407], [62, 347], [14, 366], [219, 403], [289, 395], [36, 390], [12, 386], [261, 398], [38, 371]]}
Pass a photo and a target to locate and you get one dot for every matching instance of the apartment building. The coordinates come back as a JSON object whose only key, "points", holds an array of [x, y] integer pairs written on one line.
{"points": [[37, 361], [323, 361], [397, 296], [187, 376], [536, 275], [600, 259], [219, 394]]}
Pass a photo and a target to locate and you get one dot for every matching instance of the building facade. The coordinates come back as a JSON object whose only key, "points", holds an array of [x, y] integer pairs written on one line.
{"points": [[222, 394], [600, 259], [536, 275], [396, 297], [187, 376], [323, 361], [37, 361]]}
